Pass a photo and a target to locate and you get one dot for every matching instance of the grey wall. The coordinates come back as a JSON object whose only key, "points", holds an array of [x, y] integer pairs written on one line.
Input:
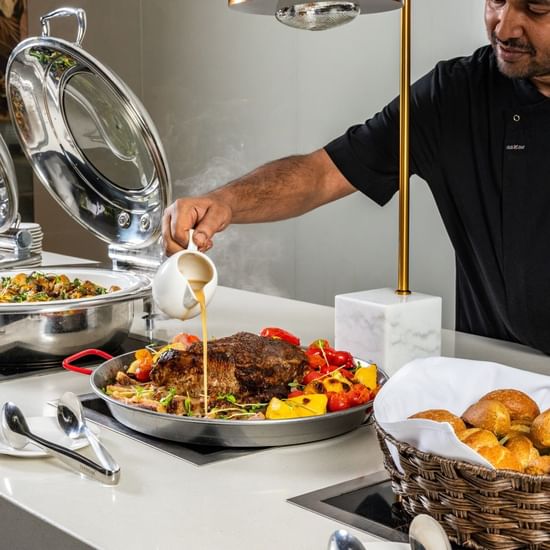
{"points": [[229, 91]]}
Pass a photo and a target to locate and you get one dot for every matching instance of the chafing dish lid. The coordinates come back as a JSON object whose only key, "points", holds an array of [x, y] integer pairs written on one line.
{"points": [[89, 139]]}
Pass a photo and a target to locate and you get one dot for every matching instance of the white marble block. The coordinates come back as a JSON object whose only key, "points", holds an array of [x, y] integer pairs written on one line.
{"points": [[386, 328]]}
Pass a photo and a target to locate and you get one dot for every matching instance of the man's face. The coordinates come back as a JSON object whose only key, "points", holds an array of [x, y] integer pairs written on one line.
{"points": [[519, 31]]}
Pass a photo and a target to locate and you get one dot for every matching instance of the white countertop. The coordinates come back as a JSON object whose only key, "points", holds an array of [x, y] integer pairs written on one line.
{"points": [[237, 504], [52, 258]]}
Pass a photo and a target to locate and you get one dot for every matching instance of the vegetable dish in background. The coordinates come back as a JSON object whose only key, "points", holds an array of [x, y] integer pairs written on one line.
{"points": [[43, 287]]}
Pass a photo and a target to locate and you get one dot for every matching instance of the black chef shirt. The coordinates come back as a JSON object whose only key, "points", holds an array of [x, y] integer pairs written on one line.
{"points": [[482, 142]]}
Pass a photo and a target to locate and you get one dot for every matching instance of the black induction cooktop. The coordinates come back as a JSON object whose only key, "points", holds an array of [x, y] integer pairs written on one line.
{"points": [[130, 343]]}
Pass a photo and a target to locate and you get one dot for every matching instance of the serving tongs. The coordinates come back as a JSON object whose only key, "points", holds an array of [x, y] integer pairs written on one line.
{"points": [[17, 433]]}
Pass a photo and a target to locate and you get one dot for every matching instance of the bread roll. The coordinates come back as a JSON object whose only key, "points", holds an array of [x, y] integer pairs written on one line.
{"points": [[539, 466], [488, 414], [522, 448], [520, 406], [500, 458], [519, 429], [477, 438], [442, 415], [540, 430]]}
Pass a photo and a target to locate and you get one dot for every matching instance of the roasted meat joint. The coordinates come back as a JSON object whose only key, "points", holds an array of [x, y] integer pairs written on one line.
{"points": [[250, 367]]}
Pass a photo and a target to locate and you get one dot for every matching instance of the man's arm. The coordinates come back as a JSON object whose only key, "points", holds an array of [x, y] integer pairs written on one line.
{"points": [[278, 190]]}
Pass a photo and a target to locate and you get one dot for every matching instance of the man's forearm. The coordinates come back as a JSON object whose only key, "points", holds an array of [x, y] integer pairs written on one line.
{"points": [[284, 188]]}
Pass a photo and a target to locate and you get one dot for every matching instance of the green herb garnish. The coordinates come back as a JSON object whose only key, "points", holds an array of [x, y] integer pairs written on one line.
{"points": [[165, 401]]}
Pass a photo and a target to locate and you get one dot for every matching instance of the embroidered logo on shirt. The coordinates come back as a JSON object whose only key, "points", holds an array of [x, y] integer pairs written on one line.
{"points": [[515, 147]]}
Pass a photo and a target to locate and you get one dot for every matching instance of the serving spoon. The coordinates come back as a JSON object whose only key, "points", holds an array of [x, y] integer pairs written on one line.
{"points": [[17, 433], [70, 418], [425, 533], [342, 540]]}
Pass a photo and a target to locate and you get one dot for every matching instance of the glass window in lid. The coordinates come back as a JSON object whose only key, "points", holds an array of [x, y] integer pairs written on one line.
{"points": [[104, 130]]}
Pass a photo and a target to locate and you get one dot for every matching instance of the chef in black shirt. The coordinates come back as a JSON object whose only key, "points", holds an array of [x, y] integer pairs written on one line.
{"points": [[480, 137]]}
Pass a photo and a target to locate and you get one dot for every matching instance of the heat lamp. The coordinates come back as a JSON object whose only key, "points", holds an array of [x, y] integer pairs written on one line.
{"points": [[389, 327]]}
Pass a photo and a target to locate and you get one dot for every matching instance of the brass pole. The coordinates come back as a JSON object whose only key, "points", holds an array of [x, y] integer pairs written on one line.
{"points": [[404, 194]]}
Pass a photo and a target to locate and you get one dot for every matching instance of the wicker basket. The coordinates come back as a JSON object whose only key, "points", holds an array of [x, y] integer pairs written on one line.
{"points": [[477, 506]]}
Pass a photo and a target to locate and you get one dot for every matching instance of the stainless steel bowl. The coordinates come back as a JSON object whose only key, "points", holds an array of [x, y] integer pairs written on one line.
{"points": [[46, 332]]}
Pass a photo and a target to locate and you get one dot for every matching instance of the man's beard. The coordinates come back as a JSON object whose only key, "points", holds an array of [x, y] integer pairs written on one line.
{"points": [[530, 68]]}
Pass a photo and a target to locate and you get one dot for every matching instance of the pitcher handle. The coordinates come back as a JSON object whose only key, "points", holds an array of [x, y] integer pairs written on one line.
{"points": [[191, 246]]}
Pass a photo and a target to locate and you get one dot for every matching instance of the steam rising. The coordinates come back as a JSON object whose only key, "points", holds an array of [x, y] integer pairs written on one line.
{"points": [[245, 255]]}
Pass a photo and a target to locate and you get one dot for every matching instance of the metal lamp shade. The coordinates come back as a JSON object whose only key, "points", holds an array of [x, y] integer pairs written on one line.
{"points": [[270, 7], [316, 16]]}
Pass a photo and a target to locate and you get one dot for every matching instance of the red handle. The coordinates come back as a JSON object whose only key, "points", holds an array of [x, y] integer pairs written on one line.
{"points": [[84, 353]]}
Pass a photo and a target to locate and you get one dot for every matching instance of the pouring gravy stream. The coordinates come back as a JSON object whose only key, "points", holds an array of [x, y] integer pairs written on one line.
{"points": [[198, 289]]}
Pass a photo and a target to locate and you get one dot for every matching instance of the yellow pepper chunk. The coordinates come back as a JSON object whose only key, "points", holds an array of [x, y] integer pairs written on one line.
{"points": [[339, 376], [315, 387], [309, 405], [296, 407], [278, 409], [336, 385], [367, 376]]}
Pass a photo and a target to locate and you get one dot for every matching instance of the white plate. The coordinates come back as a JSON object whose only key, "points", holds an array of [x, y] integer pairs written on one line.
{"points": [[46, 426]]}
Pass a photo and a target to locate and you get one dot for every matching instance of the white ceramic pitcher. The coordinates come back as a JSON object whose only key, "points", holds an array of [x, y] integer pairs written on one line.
{"points": [[175, 278]]}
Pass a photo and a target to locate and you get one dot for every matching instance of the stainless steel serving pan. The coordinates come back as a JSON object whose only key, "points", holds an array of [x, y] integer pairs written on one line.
{"points": [[46, 332], [94, 147], [227, 433]]}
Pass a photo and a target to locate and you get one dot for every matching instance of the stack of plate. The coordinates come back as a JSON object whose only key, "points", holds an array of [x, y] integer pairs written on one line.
{"points": [[36, 233], [21, 246]]}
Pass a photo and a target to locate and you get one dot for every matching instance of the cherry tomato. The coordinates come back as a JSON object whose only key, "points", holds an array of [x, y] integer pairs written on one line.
{"points": [[347, 373], [326, 353], [311, 376], [330, 355], [337, 401], [316, 362], [359, 395], [342, 358], [295, 393], [143, 373], [141, 365], [319, 344], [185, 338], [326, 369], [280, 334]]}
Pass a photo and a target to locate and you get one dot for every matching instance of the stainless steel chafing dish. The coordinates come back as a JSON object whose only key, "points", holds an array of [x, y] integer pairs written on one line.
{"points": [[94, 147], [15, 243], [42, 332]]}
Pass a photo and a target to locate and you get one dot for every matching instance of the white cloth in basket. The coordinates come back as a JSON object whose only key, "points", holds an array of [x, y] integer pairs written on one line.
{"points": [[452, 384]]}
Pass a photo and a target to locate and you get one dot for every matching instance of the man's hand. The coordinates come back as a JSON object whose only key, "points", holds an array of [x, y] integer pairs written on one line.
{"points": [[206, 215]]}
